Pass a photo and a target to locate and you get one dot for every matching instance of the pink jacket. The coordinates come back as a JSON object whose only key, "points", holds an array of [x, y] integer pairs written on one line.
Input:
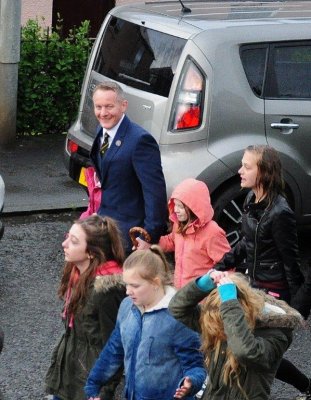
{"points": [[95, 192], [204, 243]]}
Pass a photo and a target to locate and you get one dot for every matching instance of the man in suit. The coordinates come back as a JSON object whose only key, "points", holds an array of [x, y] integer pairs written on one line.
{"points": [[128, 164]]}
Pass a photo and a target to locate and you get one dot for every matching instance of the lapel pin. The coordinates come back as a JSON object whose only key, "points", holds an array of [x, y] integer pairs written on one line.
{"points": [[118, 143]]}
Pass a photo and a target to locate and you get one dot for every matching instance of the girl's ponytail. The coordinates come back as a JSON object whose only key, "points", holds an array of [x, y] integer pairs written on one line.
{"points": [[151, 263], [113, 246], [159, 252]]}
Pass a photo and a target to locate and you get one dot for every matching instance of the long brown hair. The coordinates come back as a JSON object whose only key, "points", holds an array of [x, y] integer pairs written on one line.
{"points": [[183, 225], [213, 334], [152, 263], [269, 176], [103, 243]]}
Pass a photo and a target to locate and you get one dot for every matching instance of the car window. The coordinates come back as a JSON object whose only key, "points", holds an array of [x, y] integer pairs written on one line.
{"points": [[290, 71], [139, 57], [254, 61]]}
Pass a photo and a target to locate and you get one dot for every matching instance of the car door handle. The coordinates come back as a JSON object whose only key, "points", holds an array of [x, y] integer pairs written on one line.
{"points": [[280, 125], [286, 126]]}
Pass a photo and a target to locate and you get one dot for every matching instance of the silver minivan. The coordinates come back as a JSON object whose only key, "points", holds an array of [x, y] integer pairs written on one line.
{"points": [[207, 80]]}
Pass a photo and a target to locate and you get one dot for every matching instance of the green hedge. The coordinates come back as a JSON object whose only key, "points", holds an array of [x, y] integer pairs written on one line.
{"points": [[51, 71]]}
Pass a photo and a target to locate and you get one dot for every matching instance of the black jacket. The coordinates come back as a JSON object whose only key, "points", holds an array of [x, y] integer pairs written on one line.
{"points": [[269, 247]]}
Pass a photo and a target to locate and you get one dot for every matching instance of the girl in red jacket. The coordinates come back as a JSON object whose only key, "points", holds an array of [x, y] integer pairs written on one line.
{"points": [[198, 242]]}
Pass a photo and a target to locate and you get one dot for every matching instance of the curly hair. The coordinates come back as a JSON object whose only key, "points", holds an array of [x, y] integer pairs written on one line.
{"points": [[213, 334]]}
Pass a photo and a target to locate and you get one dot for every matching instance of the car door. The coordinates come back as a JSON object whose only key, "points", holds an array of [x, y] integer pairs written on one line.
{"points": [[288, 113]]}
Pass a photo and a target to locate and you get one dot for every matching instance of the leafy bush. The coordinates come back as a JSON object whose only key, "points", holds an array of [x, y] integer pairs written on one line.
{"points": [[51, 71]]}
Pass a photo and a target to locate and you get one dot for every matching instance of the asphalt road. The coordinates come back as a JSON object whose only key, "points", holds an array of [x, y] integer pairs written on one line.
{"points": [[31, 262], [35, 176]]}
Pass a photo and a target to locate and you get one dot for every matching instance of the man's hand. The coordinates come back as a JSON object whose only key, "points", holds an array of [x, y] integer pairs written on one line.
{"points": [[184, 389]]}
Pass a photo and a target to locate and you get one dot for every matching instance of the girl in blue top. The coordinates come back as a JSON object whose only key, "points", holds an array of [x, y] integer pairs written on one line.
{"points": [[159, 353]]}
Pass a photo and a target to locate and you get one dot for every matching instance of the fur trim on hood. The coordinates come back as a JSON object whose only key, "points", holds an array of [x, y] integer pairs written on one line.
{"points": [[103, 283], [195, 195], [278, 314]]}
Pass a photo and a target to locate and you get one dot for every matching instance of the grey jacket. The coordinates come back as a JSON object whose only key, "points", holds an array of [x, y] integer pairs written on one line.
{"points": [[259, 353]]}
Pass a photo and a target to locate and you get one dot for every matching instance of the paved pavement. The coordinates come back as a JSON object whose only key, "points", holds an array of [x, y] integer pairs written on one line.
{"points": [[35, 176]]}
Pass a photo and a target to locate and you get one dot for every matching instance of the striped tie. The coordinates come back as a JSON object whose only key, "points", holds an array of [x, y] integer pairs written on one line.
{"points": [[105, 144]]}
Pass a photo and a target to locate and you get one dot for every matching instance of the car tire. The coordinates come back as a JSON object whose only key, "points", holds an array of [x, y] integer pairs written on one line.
{"points": [[228, 207]]}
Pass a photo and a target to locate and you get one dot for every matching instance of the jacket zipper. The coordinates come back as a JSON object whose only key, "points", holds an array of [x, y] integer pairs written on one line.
{"points": [[255, 252], [180, 282]]}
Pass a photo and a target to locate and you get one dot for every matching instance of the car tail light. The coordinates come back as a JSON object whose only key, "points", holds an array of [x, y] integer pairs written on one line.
{"points": [[188, 103], [72, 147]]}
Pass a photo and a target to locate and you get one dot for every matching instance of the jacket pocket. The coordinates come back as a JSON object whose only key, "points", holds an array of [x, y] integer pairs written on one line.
{"points": [[276, 265], [148, 359], [270, 271]]}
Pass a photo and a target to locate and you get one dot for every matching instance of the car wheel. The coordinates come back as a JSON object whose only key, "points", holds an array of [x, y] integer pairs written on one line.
{"points": [[228, 207]]}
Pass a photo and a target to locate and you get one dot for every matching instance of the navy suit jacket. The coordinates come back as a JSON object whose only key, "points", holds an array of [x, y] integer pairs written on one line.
{"points": [[133, 185]]}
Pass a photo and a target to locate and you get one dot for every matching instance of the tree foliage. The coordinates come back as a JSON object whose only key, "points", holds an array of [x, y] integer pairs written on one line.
{"points": [[51, 71]]}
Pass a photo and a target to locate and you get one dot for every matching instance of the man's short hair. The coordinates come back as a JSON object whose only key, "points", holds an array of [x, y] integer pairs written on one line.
{"points": [[110, 85]]}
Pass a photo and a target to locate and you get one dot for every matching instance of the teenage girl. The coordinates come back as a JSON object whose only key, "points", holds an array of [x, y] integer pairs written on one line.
{"points": [[244, 333], [92, 290], [269, 247], [159, 353]]}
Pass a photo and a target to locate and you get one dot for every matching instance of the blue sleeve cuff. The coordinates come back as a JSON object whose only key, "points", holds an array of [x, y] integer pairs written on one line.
{"points": [[227, 292], [205, 283]]}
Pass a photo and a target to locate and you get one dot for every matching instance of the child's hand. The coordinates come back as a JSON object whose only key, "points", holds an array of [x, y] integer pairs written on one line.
{"points": [[94, 398], [184, 389], [218, 275], [224, 280]]}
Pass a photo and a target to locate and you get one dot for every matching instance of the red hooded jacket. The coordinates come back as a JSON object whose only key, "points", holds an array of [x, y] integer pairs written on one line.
{"points": [[204, 243]]}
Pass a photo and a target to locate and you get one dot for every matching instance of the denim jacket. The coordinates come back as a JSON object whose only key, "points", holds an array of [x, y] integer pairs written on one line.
{"points": [[157, 350]]}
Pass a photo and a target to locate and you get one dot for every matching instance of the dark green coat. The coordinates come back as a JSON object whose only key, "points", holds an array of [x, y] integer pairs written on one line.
{"points": [[259, 353], [80, 346]]}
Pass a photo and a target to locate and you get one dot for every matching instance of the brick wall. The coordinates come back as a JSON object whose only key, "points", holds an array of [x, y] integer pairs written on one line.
{"points": [[32, 9], [121, 2]]}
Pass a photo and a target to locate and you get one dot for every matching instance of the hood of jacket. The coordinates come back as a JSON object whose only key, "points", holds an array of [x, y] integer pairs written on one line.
{"points": [[278, 314], [164, 302], [195, 195], [108, 275]]}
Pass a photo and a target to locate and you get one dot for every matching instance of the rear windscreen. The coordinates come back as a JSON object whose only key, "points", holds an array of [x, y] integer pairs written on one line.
{"points": [[139, 57]]}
